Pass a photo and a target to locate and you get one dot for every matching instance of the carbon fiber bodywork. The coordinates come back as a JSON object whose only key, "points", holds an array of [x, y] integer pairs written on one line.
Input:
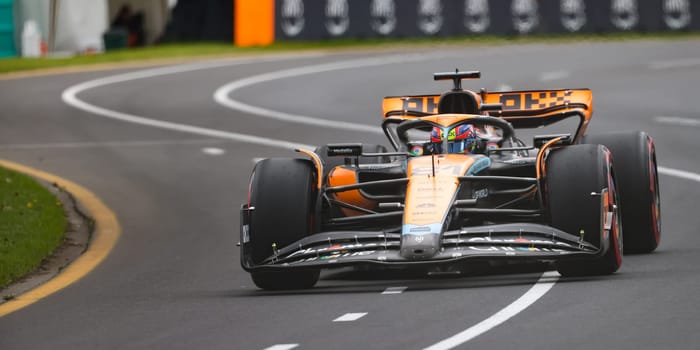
{"points": [[513, 242]]}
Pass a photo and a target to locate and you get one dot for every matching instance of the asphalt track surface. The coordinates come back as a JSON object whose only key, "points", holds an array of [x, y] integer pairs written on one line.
{"points": [[173, 280]]}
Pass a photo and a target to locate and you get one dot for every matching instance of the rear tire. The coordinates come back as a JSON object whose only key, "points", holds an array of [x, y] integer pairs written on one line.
{"points": [[636, 170], [283, 194], [572, 174]]}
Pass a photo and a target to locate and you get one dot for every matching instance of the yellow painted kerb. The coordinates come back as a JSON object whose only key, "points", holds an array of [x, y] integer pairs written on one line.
{"points": [[105, 236]]}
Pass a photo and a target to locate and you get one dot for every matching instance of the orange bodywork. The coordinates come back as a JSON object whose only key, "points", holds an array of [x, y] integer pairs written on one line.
{"points": [[318, 165], [428, 197], [519, 107], [539, 165], [341, 176]]}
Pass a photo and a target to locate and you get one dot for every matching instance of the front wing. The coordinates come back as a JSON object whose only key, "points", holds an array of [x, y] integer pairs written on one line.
{"points": [[514, 241]]}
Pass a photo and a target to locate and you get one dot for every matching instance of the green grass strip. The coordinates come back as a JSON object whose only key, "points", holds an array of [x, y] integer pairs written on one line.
{"points": [[32, 224], [173, 51]]}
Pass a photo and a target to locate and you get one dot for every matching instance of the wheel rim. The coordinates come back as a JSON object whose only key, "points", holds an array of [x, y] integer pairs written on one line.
{"points": [[616, 232], [654, 187]]}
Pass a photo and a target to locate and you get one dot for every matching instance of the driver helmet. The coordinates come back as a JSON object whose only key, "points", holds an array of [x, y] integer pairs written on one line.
{"points": [[460, 139]]}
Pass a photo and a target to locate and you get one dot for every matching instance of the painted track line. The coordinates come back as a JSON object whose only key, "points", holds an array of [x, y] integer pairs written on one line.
{"points": [[222, 94], [349, 317], [69, 96], [282, 347], [677, 63], [556, 75], [102, 240], [680, 121], [213, 151], [679, 173], [111, 144], [541, 287], [394, 290]]}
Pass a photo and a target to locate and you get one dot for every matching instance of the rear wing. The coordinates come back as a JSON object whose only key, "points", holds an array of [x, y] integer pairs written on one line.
{"points": [[523, 109]]}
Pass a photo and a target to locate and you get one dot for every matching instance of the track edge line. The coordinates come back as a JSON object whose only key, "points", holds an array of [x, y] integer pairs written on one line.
{"points": [[102, 240]]}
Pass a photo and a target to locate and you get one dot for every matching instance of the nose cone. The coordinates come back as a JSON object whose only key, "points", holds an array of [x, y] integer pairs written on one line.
{"points": [[420, 246]]}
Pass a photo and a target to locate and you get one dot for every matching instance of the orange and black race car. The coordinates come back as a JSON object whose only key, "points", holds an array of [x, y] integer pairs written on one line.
{"points": [[458, 187]]}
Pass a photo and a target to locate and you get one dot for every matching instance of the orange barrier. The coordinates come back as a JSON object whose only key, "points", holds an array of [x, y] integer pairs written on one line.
{"points": [[253, 22]]}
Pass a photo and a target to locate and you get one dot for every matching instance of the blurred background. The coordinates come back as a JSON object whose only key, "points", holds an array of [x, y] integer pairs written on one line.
{"points": [[34, 28]]}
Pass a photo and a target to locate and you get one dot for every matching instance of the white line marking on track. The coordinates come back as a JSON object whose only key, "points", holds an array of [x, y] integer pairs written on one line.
{"points": [[69, 96], [222, 94], [677, 121], [282, 347], [213, 151], [541, 287], [140, 143], [678, 63], [679, 173], [349, 317], [394, 290], [556, 75]]}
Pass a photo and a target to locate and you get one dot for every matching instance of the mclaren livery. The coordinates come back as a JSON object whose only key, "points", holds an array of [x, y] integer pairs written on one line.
{"points": [[459, 186]]}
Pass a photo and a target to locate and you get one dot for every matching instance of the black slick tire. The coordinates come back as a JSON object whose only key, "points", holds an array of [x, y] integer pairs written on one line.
{"points": [[282, 194], [636, 170], [575, 178]]}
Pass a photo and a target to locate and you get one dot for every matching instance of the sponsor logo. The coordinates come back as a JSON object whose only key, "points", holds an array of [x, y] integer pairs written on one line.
{"points": [[445, 170], [480, 193], [476, 15], [419, 213], [420, 229], [516, 240], [343, 150], [511, 249], [383, 14], [426, 205], [624, 14], [341, 249], [573, 14], [337, 17], [430, 16], [245, 233], [292, 16], [419, 239], [416, 150], [335, 256], [428, 189], [677, 14], [525, 16]]}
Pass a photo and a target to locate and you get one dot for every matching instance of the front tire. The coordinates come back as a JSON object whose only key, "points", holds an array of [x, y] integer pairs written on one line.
{"points": [[573, 175], [282, 194], [636, 169]]}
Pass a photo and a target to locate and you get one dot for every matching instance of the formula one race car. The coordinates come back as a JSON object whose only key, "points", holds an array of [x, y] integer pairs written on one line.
{"points": [[458, 187]]}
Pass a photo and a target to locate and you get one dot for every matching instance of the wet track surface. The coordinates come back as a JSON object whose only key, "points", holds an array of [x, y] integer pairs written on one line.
{"points": [[173, 281]]}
